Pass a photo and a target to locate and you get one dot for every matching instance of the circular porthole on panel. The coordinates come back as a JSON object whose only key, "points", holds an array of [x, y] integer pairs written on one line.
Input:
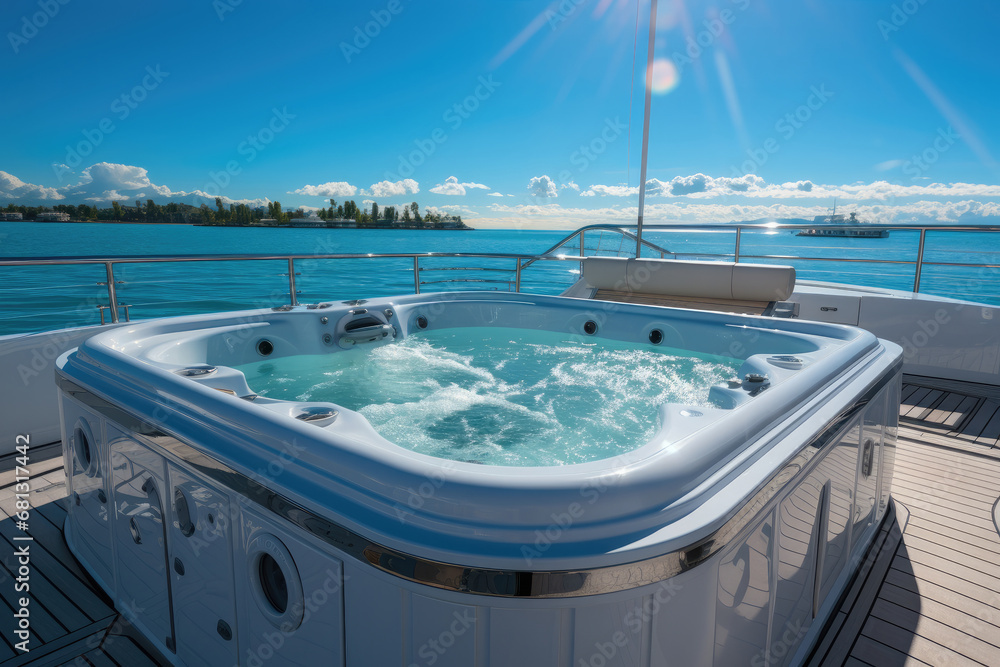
{"points": [[265, 347], [182, 508], [275, 582], [590, 327], [655, 336], [421, 322], [84, 447]]}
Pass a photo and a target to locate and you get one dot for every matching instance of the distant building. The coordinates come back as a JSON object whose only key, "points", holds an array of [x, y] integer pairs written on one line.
{"points": [[342, 223], [450, 222], [267, 221], [52, 216], [11, 216], [311, 221]]}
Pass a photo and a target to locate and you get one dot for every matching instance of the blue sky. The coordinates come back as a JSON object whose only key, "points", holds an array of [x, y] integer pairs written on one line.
{"points": [[514, 114]]}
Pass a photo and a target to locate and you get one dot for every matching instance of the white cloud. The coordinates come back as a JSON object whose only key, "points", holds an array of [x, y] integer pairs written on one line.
{"points": [[611, 191], [542, 186], [451, 186], [331, 189], [450, 209], [700, 186], [392, 189], [553, 215], [111, 176], [12, 187], [494, 194], [571, 185], [108, 196], [888, 164]]}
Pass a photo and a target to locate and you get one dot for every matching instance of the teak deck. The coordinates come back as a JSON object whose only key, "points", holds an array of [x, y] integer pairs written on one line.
{"points": [[927, 594]]}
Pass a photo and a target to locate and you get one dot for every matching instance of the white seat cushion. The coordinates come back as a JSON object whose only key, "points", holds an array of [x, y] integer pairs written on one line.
{"points": [[706, 280]]}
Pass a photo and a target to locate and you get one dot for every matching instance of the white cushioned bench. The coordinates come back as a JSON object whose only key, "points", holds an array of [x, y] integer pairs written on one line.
{"points": [[735, 287]]}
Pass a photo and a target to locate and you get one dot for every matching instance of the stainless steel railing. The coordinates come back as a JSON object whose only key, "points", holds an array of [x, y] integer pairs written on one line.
{"points": [[575, 241], [918, 262]]}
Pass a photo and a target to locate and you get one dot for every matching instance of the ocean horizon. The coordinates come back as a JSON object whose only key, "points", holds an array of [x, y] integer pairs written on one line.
{"points": [[49, 297]]}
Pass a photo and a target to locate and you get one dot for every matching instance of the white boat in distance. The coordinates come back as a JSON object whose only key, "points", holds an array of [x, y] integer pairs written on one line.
{"points": [[837, 225]]}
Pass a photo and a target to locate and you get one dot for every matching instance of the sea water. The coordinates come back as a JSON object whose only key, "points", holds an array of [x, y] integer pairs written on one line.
{"points": [[54, 297], [499, 396]]}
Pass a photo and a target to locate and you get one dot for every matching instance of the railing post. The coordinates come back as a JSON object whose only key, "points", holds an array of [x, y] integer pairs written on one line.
{"points": [[583, 252], [109, 267], [291, 283], [738, 231], [517, 276], [416, 274], [920, 261]]}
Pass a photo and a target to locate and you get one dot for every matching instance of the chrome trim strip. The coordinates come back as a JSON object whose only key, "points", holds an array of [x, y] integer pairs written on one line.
{"points": [[480, 581]]}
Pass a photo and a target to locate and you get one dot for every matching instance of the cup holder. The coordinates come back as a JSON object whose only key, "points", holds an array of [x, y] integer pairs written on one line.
{"points": [[317, 415], [196, 371]]}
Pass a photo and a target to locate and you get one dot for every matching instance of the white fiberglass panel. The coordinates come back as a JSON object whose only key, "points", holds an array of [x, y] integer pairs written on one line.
{"points": [[201, 568], [291, 598], [140, 549], [743, 602], [89, 511]]}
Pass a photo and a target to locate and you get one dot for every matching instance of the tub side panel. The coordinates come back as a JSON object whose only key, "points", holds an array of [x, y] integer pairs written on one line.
{"points": [[204, 595], [611, 634], [528, 637], [375, 609], [143, 593], [681, 612], [312, 635], [889, 444], [797, 543], [869, 468], [743, 599], [90, 520], [839, 468], [441, 633]]}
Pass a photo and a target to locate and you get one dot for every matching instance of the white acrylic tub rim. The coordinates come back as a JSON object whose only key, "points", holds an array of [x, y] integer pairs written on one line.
{"points": [[363, 490]]}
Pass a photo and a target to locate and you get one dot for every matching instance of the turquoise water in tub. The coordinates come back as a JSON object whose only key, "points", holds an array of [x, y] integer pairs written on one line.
{"points": [[495, 396]]}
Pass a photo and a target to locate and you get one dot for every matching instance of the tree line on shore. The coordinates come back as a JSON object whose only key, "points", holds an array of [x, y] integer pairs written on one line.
{"points": [[239, 214]]}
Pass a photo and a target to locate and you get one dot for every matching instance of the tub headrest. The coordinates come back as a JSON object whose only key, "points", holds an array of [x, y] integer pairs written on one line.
{"points": [[706, 280]]}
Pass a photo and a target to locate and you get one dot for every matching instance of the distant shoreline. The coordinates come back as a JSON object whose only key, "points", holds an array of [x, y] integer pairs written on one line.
{"points": [[202, 224], [393, 228]]}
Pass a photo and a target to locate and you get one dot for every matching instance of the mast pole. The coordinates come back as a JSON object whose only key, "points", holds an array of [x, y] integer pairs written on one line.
{"points": [[645, 125]]}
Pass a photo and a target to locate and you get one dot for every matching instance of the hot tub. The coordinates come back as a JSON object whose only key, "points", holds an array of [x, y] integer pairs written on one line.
{"points": [[258, 486]]}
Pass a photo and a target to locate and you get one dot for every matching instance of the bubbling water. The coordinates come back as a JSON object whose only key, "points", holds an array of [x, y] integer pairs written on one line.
{"points": [[496, 396]]}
